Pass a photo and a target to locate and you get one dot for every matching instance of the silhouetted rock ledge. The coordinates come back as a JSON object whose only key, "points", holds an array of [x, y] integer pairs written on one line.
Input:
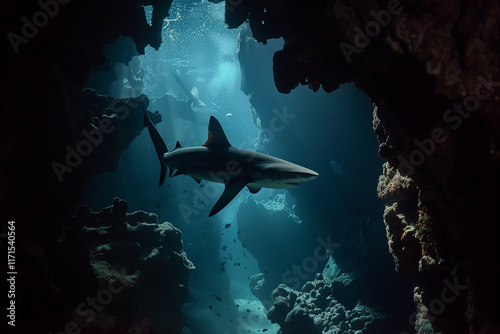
{"points": [[141, 262]]}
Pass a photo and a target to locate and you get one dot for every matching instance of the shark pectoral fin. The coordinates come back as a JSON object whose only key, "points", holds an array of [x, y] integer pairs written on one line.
{"points": [[254, 189], [232, 189]]}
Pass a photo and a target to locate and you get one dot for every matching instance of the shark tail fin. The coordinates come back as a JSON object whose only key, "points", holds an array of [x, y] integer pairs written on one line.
{"points": [[159, 144]]}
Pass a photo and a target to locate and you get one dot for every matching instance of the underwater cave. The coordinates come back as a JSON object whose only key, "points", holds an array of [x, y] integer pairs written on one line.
{"points": [[233, 167]]}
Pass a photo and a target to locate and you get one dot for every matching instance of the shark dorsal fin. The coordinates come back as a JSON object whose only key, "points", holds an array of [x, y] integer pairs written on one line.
{"points": [[177, 145], [216, 136]]}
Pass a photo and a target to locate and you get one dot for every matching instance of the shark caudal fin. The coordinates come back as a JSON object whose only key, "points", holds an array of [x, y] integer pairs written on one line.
{"points": [[216, 136], [159, 144]]}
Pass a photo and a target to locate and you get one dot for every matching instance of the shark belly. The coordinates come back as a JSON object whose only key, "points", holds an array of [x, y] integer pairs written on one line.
{"points": [[206, 164], [265, 183]]}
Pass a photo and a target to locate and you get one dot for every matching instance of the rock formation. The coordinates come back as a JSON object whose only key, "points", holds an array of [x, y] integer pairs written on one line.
{"points": [[432, 71], [146, 257], [316, 310]]}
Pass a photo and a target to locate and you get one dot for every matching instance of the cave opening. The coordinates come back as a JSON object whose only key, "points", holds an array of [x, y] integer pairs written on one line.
{"points": [[258, 241]]}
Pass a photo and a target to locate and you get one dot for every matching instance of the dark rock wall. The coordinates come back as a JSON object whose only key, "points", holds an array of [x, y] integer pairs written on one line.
{"points": [[48, 49], [432, 70]]}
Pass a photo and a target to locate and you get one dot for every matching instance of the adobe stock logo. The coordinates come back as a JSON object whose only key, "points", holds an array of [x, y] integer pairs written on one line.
{"points": [[455, 117], [373, 28], [437, 306], [297, 275], [88, 309], [40, 19], [93, 138]]}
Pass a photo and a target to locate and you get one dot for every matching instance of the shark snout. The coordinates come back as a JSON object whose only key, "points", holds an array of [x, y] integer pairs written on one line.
{"points": [[304, 175], [313, 175], [309, 176]]}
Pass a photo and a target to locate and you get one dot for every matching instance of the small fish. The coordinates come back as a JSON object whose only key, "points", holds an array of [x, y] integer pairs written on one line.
{"points": [[210, 307], [337, 168], [227, 225]]}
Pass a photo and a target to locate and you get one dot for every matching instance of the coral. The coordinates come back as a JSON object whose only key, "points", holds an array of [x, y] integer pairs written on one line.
{"points": [[392, 185], [315, 310]]}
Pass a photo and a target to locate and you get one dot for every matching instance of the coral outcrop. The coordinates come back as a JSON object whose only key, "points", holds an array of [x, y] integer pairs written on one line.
{"points": [[315, 310]]}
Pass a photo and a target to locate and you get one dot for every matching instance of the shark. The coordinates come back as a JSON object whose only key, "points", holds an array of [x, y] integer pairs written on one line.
{"points": [[218, 161], [197, 105], [337, 168]]}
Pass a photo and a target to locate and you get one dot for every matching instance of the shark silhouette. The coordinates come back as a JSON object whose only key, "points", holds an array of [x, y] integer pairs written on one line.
{"points": [[218, 161]]}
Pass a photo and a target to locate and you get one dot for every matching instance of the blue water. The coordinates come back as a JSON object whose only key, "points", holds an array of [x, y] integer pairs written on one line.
{"points": [[328, 127]]}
